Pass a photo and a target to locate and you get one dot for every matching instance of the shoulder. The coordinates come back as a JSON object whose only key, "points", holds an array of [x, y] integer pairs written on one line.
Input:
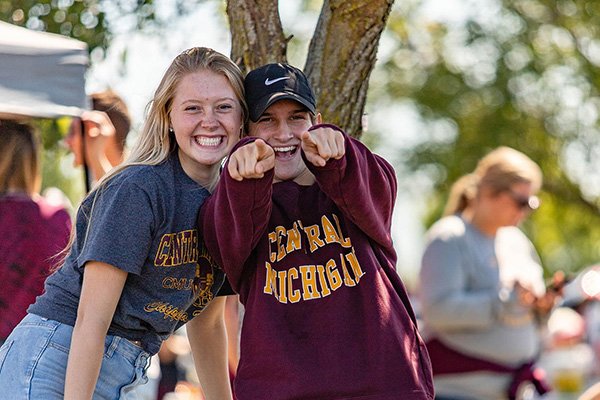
{"points": [[52, 208], [148, 178], [513, 237], [140, 173], [447, 229], [134, 184], [19, 208], [37, 207]]}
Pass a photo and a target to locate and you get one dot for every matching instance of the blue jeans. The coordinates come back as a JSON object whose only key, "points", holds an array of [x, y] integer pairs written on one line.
{"points": [[33, 363]]}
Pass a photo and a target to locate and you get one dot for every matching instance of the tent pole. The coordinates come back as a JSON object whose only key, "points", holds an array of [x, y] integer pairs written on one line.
{"points": [[86, 169]]}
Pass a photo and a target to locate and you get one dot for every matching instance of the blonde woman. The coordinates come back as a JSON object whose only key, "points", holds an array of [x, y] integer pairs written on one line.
{"points": [[137, 269], [481, 286], [32, 229]]}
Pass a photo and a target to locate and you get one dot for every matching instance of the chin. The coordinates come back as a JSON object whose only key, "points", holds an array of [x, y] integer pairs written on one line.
{"points": [[210, 161]]}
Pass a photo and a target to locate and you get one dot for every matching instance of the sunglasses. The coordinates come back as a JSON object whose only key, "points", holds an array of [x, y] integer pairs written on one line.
{"points": [[524, 202]]}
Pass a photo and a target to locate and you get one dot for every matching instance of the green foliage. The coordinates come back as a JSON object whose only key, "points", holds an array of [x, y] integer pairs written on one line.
{"points": [[91, 21], [521, 73], [57, 171], [82, 20]]}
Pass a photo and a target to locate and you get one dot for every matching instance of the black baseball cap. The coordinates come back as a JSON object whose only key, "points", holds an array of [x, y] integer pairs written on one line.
{"points": [[273, 82]]}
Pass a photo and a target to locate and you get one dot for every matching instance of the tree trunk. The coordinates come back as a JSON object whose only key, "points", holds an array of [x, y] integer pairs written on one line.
{"points": [[341, 55], [256, 33]]}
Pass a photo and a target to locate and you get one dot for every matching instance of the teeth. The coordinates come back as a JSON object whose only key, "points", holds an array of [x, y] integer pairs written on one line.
{"points": [[284, 149], [208, 141]]}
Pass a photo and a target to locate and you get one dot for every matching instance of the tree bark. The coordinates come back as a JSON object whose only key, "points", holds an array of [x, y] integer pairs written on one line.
{"points": [[341, 55], [256, 33]]}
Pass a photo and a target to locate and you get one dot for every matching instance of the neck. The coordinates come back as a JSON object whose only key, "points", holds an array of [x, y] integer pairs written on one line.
{"points": [[306, 178], [204, 175], [483, 224], [114, 155]]}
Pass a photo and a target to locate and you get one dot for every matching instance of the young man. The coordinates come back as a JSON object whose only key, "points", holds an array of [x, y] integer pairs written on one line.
{"points": [[300, 221]]}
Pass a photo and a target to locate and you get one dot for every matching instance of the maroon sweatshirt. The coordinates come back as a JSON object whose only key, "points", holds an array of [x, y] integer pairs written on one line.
{"points": [[326, 314]]}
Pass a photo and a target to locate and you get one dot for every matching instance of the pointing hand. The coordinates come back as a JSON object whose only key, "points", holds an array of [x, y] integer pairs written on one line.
{"points": [[322, 144], [251, 161]]}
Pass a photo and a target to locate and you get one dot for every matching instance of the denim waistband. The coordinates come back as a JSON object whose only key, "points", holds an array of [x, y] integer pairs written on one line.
{"points": [[112, 343], [135, 354]]}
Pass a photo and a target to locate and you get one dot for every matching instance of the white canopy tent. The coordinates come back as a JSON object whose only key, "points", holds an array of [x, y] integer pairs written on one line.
{"points": [[41, 74]]}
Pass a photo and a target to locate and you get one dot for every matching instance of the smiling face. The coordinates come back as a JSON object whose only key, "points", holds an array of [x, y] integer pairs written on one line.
{"points": [[281, 126], [206, 117]]}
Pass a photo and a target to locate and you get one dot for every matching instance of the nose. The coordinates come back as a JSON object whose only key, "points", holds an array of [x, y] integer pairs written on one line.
{"points": [[209, 120], [284, 132]]}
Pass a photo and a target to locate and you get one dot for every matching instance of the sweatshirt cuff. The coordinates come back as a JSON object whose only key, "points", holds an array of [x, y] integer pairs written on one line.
{"points": [[332, 163]]}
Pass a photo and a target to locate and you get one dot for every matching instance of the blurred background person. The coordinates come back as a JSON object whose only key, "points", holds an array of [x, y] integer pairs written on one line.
{"points": [[106, 128], [32, 229], [481, 285]]}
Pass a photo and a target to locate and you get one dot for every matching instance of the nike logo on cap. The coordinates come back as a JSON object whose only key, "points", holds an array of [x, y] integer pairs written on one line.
{"points": [[269, 82]]}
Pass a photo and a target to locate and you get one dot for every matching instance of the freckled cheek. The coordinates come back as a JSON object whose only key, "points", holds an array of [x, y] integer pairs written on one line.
{"points": [[183, 126]]}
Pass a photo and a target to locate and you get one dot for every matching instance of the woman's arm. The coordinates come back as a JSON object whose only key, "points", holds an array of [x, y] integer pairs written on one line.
{"points": [[208, 341], [100, 293]]}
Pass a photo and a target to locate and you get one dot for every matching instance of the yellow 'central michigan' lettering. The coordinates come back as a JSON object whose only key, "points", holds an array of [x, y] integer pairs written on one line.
{"points": [[311, 282]]}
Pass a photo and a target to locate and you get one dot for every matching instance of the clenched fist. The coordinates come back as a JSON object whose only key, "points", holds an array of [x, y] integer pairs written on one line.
{"points": [[251, 161], [321, 144]]}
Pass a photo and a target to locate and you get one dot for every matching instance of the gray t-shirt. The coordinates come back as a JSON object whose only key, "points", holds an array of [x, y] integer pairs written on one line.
{"points": [[143, 222]]}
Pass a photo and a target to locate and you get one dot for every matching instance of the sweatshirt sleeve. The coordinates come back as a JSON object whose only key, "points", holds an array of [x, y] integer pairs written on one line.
{"points": [[363, 185], [233, 219]]}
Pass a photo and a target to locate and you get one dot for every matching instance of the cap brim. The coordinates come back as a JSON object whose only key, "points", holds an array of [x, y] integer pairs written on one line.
{"points": [[268, 101]]}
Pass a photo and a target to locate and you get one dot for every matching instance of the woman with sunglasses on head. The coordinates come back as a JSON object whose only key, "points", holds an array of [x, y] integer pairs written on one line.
{"points": [[481, 285]]}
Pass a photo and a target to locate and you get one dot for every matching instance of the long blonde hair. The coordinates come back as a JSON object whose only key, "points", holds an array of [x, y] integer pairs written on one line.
{"points": [[19, 158], [498, 170]]}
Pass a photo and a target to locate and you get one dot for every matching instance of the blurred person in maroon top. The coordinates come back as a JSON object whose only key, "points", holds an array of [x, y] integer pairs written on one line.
{"points": [[32, 230]]}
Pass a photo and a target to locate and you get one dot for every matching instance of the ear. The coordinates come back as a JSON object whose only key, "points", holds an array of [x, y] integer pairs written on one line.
{"points": [[319, 119]]}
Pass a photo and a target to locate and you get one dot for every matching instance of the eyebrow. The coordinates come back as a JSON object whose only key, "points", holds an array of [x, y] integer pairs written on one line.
{"points": [[296, 111], [195, 100]]}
